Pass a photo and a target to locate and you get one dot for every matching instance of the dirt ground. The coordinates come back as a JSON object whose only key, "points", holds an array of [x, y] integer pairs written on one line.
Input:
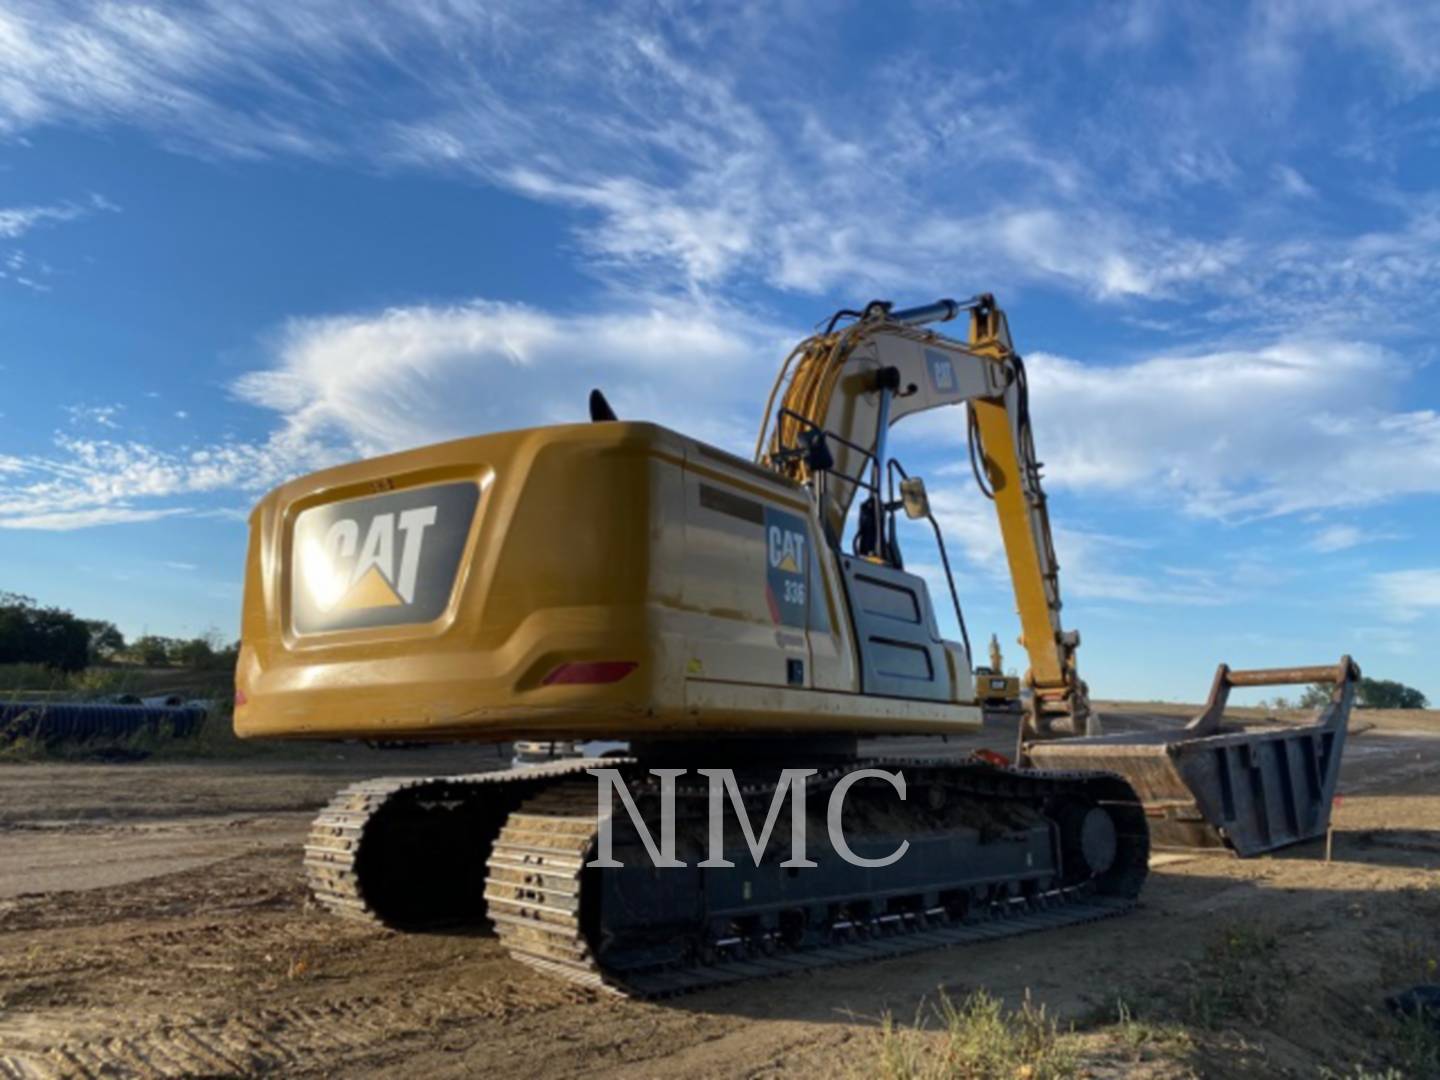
{"points": [[154, 922]]}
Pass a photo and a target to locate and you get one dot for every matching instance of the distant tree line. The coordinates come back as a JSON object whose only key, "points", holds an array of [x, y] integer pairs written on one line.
{"points": [[55, 638], [1370, 694], [30, 634], [201, 653]]}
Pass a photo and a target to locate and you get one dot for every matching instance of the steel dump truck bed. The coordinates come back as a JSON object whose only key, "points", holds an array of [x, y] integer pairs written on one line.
{"points": [[1212, 785]]}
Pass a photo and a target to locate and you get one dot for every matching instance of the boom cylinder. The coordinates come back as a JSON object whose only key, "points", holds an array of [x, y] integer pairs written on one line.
{"points": [[939, 311]]}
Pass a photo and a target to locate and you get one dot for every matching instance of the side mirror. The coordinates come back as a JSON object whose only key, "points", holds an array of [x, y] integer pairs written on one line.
{"points": [[914, 498], [817, 454]]}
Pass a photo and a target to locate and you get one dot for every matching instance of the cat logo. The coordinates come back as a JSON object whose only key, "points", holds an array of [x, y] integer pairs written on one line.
{"points": [[787, 550], [787, 542], [942, 371], [373, 579], [379, 561]]}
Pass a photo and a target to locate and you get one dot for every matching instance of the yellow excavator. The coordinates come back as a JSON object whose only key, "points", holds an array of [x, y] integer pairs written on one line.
{"points": [[996, 691], [617, 580]]}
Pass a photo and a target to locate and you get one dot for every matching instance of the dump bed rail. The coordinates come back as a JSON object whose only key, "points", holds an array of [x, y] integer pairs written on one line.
{"points": [[1209, 786]]}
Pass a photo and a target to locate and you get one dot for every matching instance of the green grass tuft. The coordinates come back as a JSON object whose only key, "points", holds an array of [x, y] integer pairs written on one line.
{"points": [[978, 1039], [1242, 976]]}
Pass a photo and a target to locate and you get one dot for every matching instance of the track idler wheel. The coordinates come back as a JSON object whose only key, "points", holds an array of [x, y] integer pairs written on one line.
{"points": [[1089, 841]]}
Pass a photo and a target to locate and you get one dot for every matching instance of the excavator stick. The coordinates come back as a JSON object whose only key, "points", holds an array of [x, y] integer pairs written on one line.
{"points": [[1212, 785]]}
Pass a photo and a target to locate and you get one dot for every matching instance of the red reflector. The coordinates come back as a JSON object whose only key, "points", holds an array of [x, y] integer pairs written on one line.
{"points": [[589, 671], [239, 697], [990, 757]]}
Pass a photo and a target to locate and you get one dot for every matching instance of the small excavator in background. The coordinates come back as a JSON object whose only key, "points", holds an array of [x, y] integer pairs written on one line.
{"points": [[996, 691], [617, 580]]}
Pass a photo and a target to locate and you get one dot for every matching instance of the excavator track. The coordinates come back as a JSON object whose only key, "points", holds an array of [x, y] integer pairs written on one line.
{"points": [[357, 843], [560, 916]]}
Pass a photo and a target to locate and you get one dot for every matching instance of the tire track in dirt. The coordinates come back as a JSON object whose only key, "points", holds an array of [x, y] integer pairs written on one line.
{"points": [[291, 1040]]}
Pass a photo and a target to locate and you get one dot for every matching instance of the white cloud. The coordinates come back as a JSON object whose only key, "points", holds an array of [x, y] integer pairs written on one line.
{"points": [[87, 481], [1102, 567], [788, 197], [359, 385], [1238, 433], [15, 266], [1230, 434], [1334, 538], [693, 157], [1293, 183], [94, 62], [1337, 538], [65, 520], [1389, 277], [409, 376], [1095, 565], [1394, 640], [16, 221], [1399, 36], [1406, 595], [692, 166], [95, 416]]}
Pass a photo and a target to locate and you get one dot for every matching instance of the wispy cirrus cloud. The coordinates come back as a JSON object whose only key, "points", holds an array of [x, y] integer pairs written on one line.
{"points": [[83, 482], [1098, 565], [1406, 595], [1399, 37], [358, 385], [1234, 434], [164, 67], [1322, 424], [703, 159], [95, 416], [699, 148], [16, 221], [1335, 538], [407, 376], [1317, 428], [1293, 183], [68, 520]]}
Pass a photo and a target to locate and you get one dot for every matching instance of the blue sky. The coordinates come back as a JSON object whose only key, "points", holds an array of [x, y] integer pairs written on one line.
{"points": [[239, 243]]}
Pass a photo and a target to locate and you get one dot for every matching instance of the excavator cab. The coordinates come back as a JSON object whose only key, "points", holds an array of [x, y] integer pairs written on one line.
{"points": [[901, 650]]}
